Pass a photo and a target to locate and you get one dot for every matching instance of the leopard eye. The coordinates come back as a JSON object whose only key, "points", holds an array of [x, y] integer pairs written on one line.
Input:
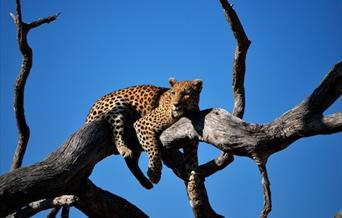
{"points": [[173, 93]]}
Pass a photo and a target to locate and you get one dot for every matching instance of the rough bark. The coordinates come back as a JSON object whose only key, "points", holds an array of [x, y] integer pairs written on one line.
{"points": [[65, 172]]}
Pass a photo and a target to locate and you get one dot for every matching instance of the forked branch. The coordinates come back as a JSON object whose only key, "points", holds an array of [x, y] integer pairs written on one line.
{"points": [[236, 137], [26, 51]]}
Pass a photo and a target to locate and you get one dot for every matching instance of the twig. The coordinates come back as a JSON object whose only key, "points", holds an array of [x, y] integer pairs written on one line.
{"points": [[266, 190], [41, 21], [26, 51]]}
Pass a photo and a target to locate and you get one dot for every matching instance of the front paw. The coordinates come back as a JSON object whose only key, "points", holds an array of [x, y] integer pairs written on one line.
{"points": [[125, 152], [154, 175]]}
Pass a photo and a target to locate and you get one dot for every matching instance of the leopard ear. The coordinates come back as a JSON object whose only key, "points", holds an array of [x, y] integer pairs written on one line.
{"points": [[198, 84], [172, 81]]}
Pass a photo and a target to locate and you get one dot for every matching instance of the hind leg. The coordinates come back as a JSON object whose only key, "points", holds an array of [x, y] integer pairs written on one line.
{"points": [[117, 121]]}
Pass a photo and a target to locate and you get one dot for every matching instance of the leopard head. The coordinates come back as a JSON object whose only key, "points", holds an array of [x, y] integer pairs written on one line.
{"points": [[184, 96]]}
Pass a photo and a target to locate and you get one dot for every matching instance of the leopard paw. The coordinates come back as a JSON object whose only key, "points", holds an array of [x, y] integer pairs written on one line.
{"points": [[125, 152]]}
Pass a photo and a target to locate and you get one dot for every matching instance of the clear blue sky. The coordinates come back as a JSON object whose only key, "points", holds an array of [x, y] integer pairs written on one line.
{"points": [[96, 47]]}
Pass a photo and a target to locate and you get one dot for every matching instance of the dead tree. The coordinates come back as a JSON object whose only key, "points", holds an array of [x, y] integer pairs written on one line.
{"points": [[61, 180]]}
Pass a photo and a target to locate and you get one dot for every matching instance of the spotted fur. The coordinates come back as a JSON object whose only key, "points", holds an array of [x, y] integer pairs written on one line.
{"points": [[151, 109]]}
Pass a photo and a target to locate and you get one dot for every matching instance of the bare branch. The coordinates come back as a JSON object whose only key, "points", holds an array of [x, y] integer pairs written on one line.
{"points": [[37, 206], [41, 21], [324, 125], [107, 204], [239, 65], [19, 19], [267, 191], [65, 171], [26, 51], [23, 129], [211, 167], [327, 92], [231, 134]]}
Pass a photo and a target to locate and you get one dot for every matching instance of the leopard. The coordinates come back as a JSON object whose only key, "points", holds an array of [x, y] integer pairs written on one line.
{"points": [[149, 110]]}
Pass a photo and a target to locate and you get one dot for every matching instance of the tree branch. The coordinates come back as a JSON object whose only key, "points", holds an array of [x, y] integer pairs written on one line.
{"points": [[211, 167], [18, 12], [41, 21], [107, 204], [233, 135], [327, 92], [37, 206], [239, 65], [26, 51], [65, 171], [266, 190]]}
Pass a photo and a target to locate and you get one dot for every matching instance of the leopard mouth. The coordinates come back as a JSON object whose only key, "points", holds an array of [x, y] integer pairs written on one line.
{"points": [[177, 112]]}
